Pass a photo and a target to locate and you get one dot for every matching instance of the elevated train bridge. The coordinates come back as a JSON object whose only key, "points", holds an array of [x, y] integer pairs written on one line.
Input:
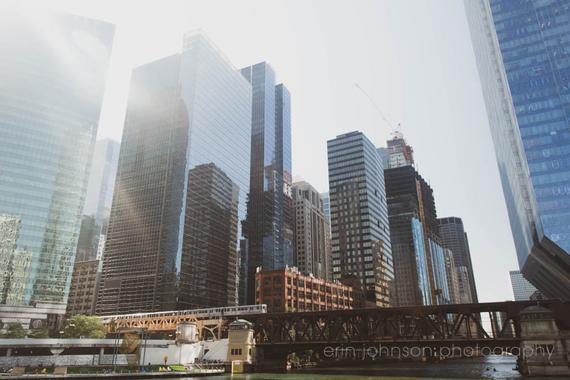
{"points": [[489, 325], [211, 323], [276, 335]]}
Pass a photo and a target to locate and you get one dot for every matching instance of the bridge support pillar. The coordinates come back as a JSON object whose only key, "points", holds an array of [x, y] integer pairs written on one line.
{"points": [[269, 359], [544, 347]]}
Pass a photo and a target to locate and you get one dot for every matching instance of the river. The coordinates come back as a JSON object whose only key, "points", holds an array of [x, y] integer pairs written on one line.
{"points": [[491, 367]]}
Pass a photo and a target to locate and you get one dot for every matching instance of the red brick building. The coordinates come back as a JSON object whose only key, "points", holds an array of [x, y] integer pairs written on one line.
{"points": [[287, 290]]}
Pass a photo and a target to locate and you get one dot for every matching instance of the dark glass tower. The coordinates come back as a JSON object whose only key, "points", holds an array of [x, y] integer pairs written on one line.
{"points": [[184, 111], [209, 255], [413, 227], [269, 226], [361, 250], [455, 238], [522, 50], [52, 80]]}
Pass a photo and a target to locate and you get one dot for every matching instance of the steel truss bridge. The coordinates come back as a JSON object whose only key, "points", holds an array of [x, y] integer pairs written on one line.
{"points": [[436, 324], [278, 334]]}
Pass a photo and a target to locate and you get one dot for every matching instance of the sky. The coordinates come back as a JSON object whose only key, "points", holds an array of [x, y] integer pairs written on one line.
{"points": [[414, 59]]}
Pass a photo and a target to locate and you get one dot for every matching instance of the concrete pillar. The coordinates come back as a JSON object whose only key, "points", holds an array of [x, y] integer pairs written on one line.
{"points": [[544, 350], [101, 353], [9, 352]]}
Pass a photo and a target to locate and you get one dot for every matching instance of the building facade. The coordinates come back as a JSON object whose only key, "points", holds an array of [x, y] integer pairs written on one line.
{"points": [[439, 271], [49, 112], [83, 288], [184, 110], [522, 289], [360, 237], [398, 152], [412, 215], [102, 180], [98, 200], [288, 290], [452, 277], [312, 232], [464, 285], [521, 51], [269, 226], [326, 205], [455, 238], [209, 256]]}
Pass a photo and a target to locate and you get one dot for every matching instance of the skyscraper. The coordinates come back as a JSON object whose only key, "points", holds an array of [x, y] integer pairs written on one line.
{"points": [[326, 205], [522, 289], [312, 232], [413, 226], [455, 238], [361, 249], [102, 180], [452, 276], [521, 50], [398, 152], [209, 256], [464, 285], [439, 272], [98, 199], [268, 229], [52, 80], [184, 111]]}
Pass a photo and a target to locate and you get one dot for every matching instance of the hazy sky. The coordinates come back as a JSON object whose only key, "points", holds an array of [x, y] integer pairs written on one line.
{"points": [[413, 57]]}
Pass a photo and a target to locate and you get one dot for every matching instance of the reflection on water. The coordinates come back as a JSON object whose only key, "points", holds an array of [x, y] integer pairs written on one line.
{"points": [[492, 367]]}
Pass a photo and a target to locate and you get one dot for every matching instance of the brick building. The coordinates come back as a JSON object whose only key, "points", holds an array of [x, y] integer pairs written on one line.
{"points": [[288, 290]]}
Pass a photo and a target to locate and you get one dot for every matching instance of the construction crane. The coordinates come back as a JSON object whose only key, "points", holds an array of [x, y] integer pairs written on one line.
{"points": [[395, 129]]}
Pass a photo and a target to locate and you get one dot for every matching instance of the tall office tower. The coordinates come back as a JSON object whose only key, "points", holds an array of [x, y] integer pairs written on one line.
{"points": [[269, 225], [184, 111], [398, 152], [98, 199], [521, 50], [413, 227], [52, 80], [312, 251], [455, 238], [464, 285], [102, 180], [326, 205], [522, 289], [327, 211], [452, 277], [285, 170], [439, 271], [209, 256], [361, 250]]}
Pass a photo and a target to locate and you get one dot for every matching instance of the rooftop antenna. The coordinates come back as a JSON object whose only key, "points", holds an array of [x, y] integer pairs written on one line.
{"points": [[396, 130]]}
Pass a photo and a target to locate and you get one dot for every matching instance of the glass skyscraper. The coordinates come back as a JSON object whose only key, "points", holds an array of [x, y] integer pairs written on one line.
{"points": [[412, 216], [186, 137], [522, 50], [52, 79], [326, 205], [98, 200], [455, 238], [269, 226], [522, 289], [361, 249], [102, 180], [440, 274]]}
